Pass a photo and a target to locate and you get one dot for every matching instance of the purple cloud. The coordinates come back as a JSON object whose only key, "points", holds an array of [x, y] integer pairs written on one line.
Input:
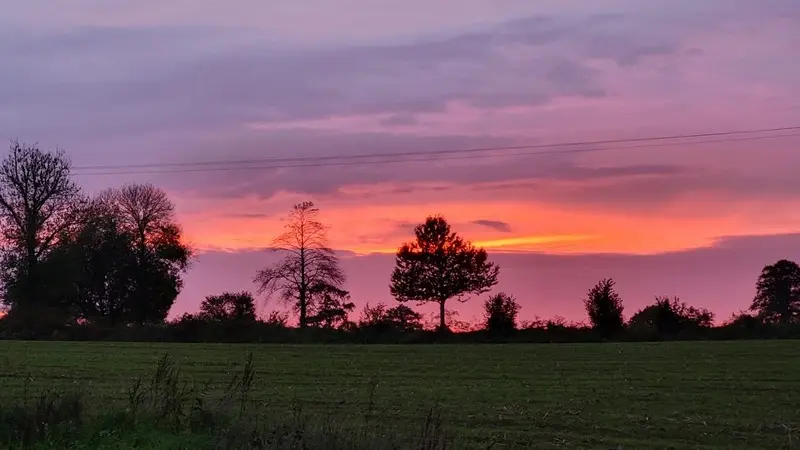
{"points": [[164, 92], [132, 80], [496, 225]]}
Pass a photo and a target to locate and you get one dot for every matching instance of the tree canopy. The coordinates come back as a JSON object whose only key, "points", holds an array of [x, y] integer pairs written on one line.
{"points": [[329, 306], [39, 204], [229, 307], [604, 306], [500, 314], [398, 318], [438, 266], [668, 317], [778, 293], [145, 216]]}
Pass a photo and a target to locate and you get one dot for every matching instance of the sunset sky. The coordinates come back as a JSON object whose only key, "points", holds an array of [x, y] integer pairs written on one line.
{"points": [[121, 83]]}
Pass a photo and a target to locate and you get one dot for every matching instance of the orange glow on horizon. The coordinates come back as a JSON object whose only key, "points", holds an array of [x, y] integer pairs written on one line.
{"points": [[383, 225]]}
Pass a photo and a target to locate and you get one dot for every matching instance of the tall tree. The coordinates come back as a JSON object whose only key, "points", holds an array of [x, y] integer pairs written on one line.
{"points": [[307, 262], [145, 214], [500, 314], [778, 293], [39, 202], [101, 263], [229, 307], [604, 307], [438, 266], [143, 209]]}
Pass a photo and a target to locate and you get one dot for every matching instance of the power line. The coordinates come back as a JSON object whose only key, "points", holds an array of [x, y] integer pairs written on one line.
{"points": [[355, 159], [439, 152], [429, 159]]}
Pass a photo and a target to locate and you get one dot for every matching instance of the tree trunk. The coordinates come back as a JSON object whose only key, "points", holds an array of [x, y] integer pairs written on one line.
{"points": [[31, 294], [442, 324], [303, 309], [303, 294]]}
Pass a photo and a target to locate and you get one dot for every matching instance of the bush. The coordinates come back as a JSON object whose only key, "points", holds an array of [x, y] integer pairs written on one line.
{"points": [[500, 314], [670, 318], [604, 307]]}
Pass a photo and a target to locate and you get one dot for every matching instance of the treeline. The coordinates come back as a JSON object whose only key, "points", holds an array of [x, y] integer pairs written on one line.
{"points": [[664, 320], [110, 266], [114, 258]]}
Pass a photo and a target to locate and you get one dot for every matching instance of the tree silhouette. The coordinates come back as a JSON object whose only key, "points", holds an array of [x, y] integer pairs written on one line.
{"points": [[307, 262], [400, 318], [145, 214], [669, 317], [278, 319], [403, 318], [39, 203], [778, 293], [329, 306], [144, 211], [500, 314], [101, 264], [440, 265], [229, 307], [372, 316], [604, 307]]}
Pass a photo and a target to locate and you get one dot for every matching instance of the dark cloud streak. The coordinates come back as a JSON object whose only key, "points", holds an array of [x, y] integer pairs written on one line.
{"points": [[496, 225]]}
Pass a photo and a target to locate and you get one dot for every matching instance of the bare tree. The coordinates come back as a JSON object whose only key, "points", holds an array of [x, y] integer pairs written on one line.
{"points": [[39, 203], [143, 208], [307, 263]]}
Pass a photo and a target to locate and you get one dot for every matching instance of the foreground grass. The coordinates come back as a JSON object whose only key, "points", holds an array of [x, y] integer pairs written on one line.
{"points": [[646, 395], [164, 411]]}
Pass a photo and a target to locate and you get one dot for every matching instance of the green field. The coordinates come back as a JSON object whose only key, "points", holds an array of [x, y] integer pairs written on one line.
{"points": [[635, 396]]}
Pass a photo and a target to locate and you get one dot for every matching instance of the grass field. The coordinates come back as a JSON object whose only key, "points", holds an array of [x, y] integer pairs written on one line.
{"points": [[634, 396]]}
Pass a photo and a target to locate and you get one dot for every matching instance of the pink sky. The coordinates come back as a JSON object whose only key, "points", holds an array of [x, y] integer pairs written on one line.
{"points": [[179, 81]]}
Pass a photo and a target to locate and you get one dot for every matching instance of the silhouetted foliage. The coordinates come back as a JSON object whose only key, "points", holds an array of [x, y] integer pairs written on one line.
{"points": [[500, 314], [439, 265], [39, 203], [400, 318], [144, 216], [278, 319], [743, 320], [307, 262], [372, 316], [110, 269], [101, 263], [229, 307], [668, 318], [44, 322], [604, 307], [329, 306], [454, 323], [403, 318], [778, 293]]}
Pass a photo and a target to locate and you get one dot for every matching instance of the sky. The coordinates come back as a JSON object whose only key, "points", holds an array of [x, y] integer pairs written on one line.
{"points": [[121, 83]]}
